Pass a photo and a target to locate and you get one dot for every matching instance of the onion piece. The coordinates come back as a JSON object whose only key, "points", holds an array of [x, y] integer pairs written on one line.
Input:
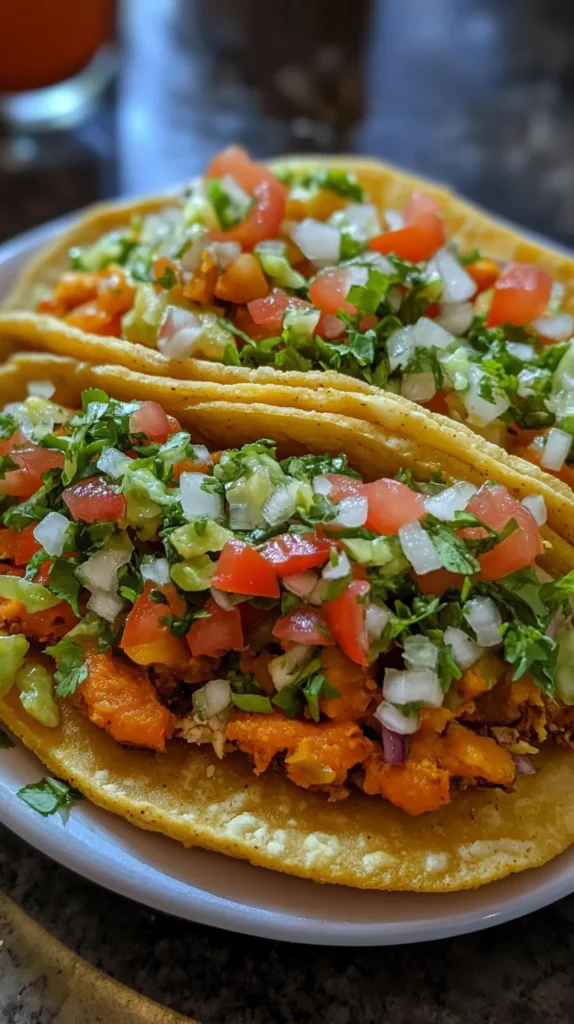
{"points": [[453, 499], [520, 351], [113, 462], [465, 651], [332, 327], [301, 583], [428, 334], [400, 348], [202, 454], [395, 720], [337, 570], [198, 503], [523, 765], [242, 516], [537, 507], [418, 548], [408, 686], [279, 506], [105, 604], [418, 387], [480, 411], [224, 253], [285, 668], [352, 511], [319, 242], [394, 746], [321, 485], [558, 328], [191, 257], [455, 317], [226, 600], [51, 533], [376, 618], [100, 570], [420, 653], [213, 698], [395, 220], [156, 570], [484, 618], [457, 285], [40, 389], [179, 332], [556, 449]]}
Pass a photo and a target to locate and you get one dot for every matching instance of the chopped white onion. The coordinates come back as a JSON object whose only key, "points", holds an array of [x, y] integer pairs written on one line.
{"points": [[484, 618], [453, 499], [464, 650], [321, 485], [179, 332], [320, 243], [51, 533], [301, 583], [418, 387], [197, 502], [40, 388], [279, 506], [224, 253], [242, 516], [105, 604], [556, 449], [420, 685], [395, 720], [378, 261], [332, 327], [352, 511], [113, 462], [237, 194], [376, 618], [336, 571], [520, 351], [284, 668], [400, 347], [457, 285], [363, 220], [455, 317], [526, 378], [156, 570], [480, 411], [420, 653], [191, 258], [418, 548], [395, 220], [558, 328], [100, 570], [537, 507], [202, 454], [213, 698], [226, 600], [428, 334]]}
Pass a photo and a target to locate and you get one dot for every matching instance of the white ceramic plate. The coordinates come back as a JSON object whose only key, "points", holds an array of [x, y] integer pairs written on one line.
{"points": [[220, 891]]}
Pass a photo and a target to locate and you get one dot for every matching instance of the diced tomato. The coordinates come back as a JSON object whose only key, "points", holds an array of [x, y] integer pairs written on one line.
{"points": [[345, 617], [94, 501], [304, 626], [243, 570], [264, 218], [437, 403], [293, 552], [391, 505], [8, 543], [145, 639], [421, 204], [218, 634], [343, 486], [496, 507], [438, 582], [415, 242], [269, 312], [151, 420], [190, 466], [27, 545], [330, 288], [484, 273], [521, 293], [234, 160], [243, 281], [8, 443], [33, 462], [534, 451]]}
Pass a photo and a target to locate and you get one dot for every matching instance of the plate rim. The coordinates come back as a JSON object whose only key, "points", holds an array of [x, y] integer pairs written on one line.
{"points": [[232, 915]]}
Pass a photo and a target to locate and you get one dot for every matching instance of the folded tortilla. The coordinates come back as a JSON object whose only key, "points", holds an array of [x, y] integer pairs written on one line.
{"points": [[364, 842]]}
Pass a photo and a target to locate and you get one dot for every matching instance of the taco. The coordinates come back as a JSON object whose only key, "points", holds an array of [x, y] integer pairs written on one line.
{"points": [[325, 649], [345, 273]]}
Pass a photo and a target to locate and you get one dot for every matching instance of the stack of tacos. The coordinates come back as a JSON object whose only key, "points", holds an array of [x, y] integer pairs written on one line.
{"points": [[287, 541]]}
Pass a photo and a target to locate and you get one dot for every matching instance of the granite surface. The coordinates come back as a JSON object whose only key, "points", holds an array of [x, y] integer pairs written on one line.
{"points": [[475, 92]]}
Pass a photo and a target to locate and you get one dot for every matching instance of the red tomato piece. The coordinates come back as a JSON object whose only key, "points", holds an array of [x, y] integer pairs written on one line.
{"points": [[304, 626], [235, 160], [94, 501], [145, 638], [345, 617], [33, 461], [330, 288], [8, 443], [270, 311], [151, 420], [27, 545], [391, 505], [343, 486], [521, 293], [8, 543], [438, 582], [243, 570], [496, 507], [415, 242], [291, 552], [420, 205], [220, 633], [264, 218]]}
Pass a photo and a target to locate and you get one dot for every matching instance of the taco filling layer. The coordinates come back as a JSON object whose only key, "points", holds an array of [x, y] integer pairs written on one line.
{"points": [[393, 635], [299, 270]]}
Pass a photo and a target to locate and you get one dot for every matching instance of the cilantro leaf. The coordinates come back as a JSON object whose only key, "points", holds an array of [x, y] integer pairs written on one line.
{"points": [[316, 687], [48, 796], [252, 702], [72, 669], [530, 650], [168, 278], [451, 549], [63, 582]]}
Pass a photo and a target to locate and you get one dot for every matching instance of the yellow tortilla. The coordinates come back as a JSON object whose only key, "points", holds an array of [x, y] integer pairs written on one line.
{"points": [[363, 841]]}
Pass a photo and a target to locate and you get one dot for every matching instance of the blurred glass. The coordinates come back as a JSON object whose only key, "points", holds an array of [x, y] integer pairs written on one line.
{"points": [[55, 59]]}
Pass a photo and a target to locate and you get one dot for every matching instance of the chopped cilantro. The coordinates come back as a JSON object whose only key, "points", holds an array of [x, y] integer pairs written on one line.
{"points": [[317, 687], [48, 796], [72, 669]]}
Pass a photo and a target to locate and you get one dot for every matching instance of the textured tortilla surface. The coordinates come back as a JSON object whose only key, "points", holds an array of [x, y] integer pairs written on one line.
{"points": [[362, 841]]}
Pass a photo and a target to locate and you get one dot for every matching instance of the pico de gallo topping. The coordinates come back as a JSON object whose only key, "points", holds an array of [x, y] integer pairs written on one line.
{"points": [[396, 634], [301, 270]]}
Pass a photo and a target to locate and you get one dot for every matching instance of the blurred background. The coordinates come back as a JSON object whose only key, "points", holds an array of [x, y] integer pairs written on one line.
{"points": [[100, 98]]}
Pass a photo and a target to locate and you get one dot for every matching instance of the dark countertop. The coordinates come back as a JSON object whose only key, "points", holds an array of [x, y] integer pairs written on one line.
{"points": [[474, 92]]}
